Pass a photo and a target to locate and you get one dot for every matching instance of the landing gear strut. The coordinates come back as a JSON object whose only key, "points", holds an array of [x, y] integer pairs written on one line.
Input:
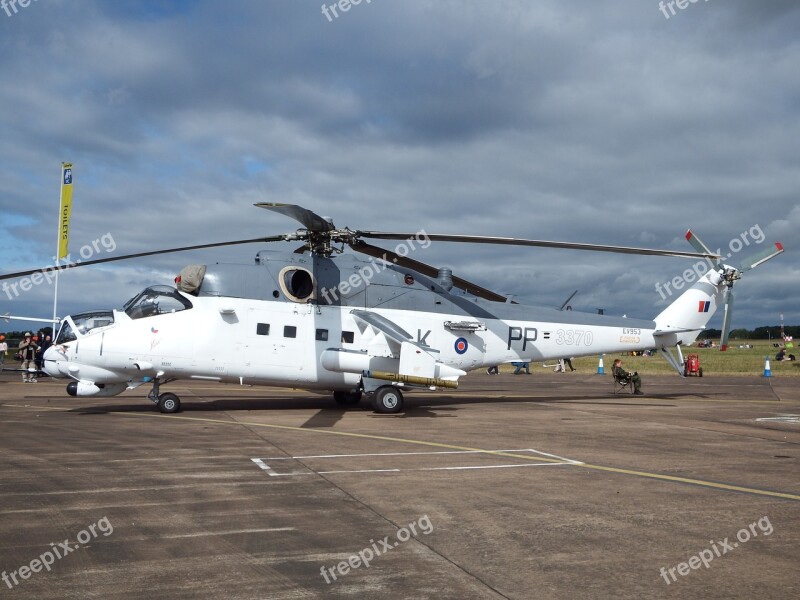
{"points": [[167, 403]]}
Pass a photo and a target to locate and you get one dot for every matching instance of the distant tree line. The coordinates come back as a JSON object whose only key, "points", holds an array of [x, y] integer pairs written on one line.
{"points": [[759, 333]]}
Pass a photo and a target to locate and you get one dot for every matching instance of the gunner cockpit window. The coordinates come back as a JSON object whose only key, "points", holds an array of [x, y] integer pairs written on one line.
{"points": [[86, 322], [65, 334]]}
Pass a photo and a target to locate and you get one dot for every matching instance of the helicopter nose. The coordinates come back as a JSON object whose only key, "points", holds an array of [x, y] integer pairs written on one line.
{"points": [[52, 357]]}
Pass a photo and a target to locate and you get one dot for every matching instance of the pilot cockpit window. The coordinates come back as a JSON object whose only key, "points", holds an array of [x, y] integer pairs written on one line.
{"points": [[156, 300]]}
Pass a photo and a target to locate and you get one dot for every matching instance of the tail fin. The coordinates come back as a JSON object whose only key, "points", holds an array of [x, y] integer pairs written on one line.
{"points": [[690, 313]]}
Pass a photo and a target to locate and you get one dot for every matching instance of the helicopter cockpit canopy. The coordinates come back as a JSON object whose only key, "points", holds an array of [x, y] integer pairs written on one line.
{"points": [[156, 300]]}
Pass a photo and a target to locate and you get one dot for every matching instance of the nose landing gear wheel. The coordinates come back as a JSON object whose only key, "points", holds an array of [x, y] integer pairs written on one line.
{"points": [[387, 400], [169, 403]]}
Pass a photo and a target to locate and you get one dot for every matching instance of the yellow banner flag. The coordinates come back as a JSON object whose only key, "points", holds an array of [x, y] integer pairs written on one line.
{"points": [[66, 210]]}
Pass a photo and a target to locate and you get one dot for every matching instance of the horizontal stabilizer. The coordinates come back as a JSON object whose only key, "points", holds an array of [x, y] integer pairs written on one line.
{"points": [[658, 332]]}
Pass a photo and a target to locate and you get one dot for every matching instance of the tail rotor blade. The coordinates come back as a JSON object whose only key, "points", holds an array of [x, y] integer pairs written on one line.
{"points": [[698, 245], [726, 321], [762, 257]]}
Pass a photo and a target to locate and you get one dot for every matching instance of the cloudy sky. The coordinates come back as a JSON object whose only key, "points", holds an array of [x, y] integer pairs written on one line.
{"points": [[603, 122]]}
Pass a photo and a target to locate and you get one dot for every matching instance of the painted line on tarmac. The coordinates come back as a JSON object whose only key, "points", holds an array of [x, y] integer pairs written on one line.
{"points": [[436, 469], [621, 471], [260, 462], [271, 458], [546, 399]]}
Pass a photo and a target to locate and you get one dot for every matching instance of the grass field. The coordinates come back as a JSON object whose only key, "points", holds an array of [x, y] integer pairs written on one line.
{"points": [[734, 361]]}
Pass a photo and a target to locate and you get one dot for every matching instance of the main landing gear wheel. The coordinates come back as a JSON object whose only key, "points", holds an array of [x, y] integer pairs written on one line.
{"points": [[169, 403], [347, 398], [388, 400]]}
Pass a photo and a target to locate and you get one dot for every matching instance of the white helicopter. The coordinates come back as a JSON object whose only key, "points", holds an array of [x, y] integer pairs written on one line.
{"points": [[320, 319]]}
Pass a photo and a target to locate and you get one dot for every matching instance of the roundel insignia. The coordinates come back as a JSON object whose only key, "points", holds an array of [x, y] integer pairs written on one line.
{"points": [[461, 345]]}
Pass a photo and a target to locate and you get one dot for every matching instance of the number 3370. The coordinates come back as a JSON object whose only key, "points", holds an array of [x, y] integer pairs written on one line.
{"points": [[574, 337]]}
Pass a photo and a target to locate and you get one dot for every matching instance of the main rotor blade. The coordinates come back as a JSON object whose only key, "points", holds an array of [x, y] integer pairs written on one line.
{"points": [[425, 269], [72, 265], [310, 220], [726, 321], [480, 239]]}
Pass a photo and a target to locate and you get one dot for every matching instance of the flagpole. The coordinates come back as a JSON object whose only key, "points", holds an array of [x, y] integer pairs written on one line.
{"points": [[58, 250], [62, 240]]}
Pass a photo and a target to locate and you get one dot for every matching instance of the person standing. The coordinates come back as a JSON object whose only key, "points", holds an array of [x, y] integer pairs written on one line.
{"points": [[3, 351], [27, 348], [46, 343]]}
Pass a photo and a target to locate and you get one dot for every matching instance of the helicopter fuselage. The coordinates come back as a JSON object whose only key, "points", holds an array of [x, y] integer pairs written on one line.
{"points": [[324, 324]]}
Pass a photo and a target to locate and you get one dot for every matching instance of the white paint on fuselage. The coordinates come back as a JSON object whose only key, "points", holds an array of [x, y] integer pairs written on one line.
{"points": [[205, 343]]}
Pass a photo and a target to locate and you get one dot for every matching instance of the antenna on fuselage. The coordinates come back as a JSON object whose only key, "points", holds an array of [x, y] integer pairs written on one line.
{"points": [[566, 302]]}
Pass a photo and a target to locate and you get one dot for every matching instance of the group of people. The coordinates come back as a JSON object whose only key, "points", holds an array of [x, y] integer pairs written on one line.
{"points": [[618, 371], [30, 352], [526, 366], [788, 344]]}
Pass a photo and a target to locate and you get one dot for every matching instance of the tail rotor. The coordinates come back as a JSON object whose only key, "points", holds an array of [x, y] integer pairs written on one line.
{"points": [[730, 275], [726, 320]]}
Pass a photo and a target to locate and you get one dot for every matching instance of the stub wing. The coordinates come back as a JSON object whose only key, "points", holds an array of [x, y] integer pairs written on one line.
{"points": [[414, 359], [395, 335]]}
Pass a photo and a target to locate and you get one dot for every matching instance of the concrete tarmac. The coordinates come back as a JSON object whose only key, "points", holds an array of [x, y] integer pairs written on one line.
{"points": [[528, 486]]}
